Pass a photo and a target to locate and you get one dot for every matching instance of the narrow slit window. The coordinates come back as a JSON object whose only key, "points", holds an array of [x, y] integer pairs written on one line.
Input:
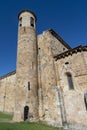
{"points": [[28, 86], [20, 22], [85, 99], [32, 22], [70, 81]]}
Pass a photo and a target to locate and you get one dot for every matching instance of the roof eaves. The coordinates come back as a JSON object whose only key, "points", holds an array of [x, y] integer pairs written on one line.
{"points": [[9, 74], [70, 52], [59, 38]]}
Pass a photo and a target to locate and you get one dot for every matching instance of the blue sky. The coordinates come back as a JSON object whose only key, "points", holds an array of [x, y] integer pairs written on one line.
{"points": [[67, 17]]}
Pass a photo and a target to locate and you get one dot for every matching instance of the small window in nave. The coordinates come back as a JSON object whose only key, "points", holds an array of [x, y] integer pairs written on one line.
{"points": [[70, 81]]}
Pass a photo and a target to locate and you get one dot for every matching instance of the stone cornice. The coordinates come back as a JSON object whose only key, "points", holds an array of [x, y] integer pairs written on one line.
{"points": [[70, 52]]}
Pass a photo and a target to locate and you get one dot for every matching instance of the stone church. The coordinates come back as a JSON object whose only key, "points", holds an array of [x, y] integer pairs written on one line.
{"points": [[50, 81]]}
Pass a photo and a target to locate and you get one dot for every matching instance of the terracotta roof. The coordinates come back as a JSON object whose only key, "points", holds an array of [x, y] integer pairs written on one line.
{"points": [[59, 38], [9, 74], [70, 52]]}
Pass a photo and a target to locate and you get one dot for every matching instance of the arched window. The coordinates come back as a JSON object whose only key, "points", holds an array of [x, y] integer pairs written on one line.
{"points": [[32, 21], [70, 81]]}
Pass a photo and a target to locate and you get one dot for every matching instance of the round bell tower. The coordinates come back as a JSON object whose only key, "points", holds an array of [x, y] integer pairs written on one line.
{"points": [[26, 72]]}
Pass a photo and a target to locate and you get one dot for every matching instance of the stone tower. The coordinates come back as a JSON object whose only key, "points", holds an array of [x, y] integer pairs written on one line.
{"points": [[26, 102]]}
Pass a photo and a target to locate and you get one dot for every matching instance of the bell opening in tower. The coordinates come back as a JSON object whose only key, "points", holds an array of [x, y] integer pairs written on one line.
{"points": [[32, 21], [20, 22]]}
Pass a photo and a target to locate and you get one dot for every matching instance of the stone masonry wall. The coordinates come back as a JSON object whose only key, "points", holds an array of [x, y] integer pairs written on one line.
{"points": [[49, 105], [7, 95], [75, 110]]}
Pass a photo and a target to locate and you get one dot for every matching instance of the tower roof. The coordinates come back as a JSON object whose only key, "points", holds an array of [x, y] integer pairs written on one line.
{"points": [[27, 11]]}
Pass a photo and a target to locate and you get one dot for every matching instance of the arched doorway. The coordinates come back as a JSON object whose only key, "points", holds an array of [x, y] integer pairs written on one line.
{"points": [[26, 112]]}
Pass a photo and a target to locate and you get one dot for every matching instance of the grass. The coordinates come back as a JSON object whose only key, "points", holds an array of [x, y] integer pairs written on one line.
{"points": [[26, 126], [6, 124], [5, 117]]}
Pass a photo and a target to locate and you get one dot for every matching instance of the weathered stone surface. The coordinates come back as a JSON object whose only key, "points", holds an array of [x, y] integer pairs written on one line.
{"points": [[40, 82], [7, 93], [26, 74], [74, 99]]}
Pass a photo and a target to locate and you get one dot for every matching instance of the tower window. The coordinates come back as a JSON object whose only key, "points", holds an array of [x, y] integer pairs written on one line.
{"points": [[28, 86], [70, 81], [20, 22], [32, 21]]}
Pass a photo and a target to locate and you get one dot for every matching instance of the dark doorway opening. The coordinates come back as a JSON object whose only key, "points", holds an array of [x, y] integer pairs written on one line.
{"points": [[26, 112]]}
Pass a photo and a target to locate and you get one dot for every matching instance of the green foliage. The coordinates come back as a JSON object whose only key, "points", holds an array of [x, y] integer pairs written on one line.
{"points": [[25, 126]]}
